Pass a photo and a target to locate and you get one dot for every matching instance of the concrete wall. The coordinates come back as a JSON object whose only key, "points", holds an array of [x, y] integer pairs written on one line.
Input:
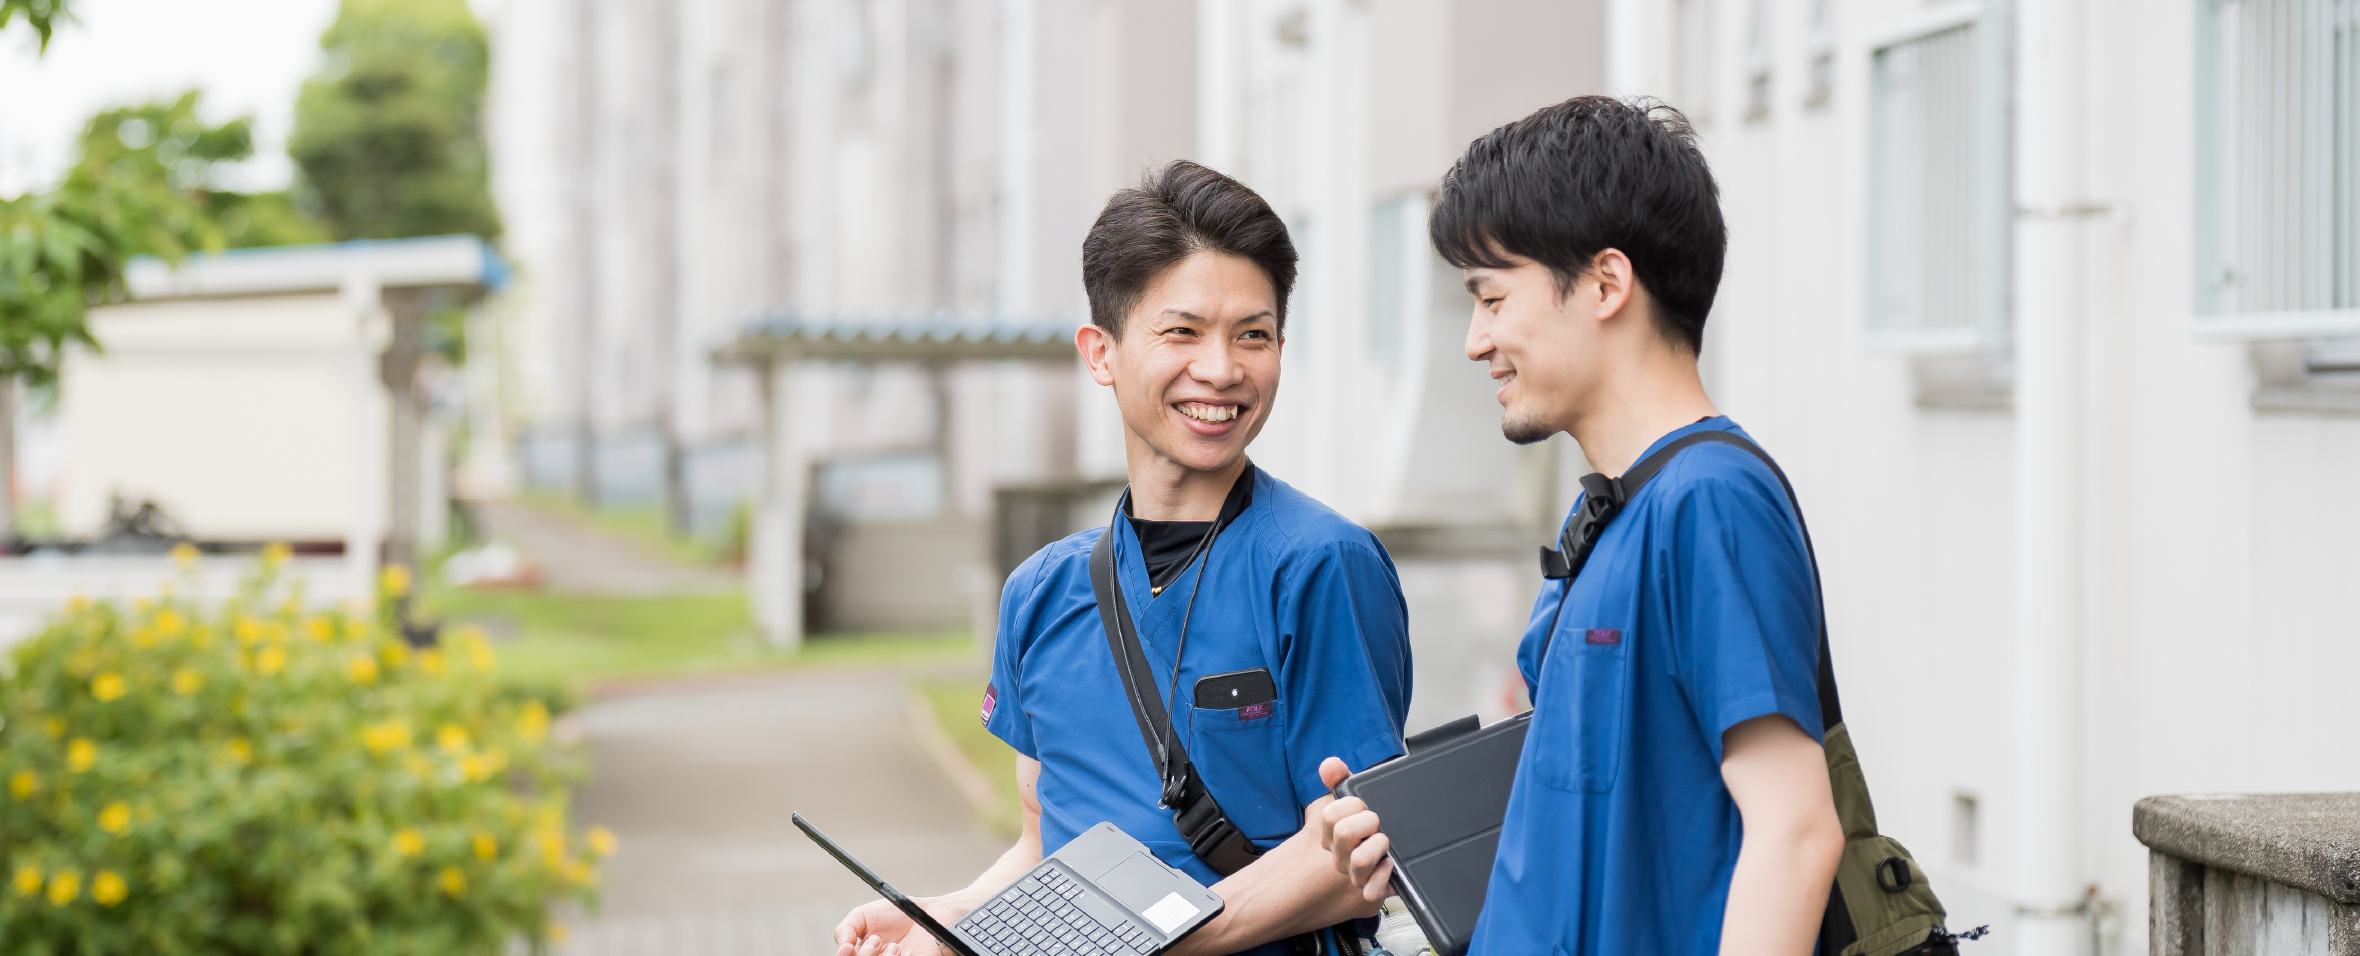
{"points": [[255, 418]]}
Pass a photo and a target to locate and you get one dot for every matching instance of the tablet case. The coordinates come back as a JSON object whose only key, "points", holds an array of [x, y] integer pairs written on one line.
{"points": [[1442, 805]]}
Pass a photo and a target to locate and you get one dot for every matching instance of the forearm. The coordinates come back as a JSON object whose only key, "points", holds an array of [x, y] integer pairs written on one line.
{"points": [[1778, 893], [1290, 890], [1018, 860]]}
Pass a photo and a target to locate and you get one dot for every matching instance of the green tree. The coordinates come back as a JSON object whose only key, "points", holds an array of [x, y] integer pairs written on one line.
{"points": [[42, 16], [389, 134]]}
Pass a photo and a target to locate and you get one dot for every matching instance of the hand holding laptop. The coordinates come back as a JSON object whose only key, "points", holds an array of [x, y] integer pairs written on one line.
{"points": [[881, 929]]}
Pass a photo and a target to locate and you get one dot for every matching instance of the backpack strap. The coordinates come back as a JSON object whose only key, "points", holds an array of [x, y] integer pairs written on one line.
{"points": [[1198, 817], [1603, 498]]}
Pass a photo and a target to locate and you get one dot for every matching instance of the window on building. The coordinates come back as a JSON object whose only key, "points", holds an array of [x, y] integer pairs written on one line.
{"points": [[2278, 165], [1939, 223], [1693, 33], [1758, 56], [1819, 86]]}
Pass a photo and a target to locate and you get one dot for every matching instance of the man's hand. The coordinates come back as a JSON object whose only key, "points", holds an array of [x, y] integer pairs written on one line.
{"points": [[882, 929], [1349, 830]]}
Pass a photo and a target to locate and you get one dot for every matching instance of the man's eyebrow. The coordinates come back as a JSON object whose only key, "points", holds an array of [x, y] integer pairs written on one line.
{"points": [[1472, 282], [1193, 317]]}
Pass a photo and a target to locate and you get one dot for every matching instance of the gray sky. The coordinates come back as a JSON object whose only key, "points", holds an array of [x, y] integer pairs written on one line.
{"points": [[249, 56]]}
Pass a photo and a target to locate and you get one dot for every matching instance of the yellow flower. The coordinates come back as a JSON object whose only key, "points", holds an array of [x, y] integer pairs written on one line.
{"points": [[81, 754], [55, 727], [240, 752], [408, 842], [452, 738], [107, 687], [486, 847], [474, 768], [270, 660], [108, 888], [186, 682], [115, 819], [275, 554], [557, 932], [249, 630], [452, 881], [395, 581], [143, 637], [24, 783], [602, 841], [184, 554], [28, 880], [64, 887], [533, 723], [552, 848], [170, 623], [430, 660], [77, 604], [479, 652], [319, 629], [580, 872], [362, 670], [396, 654], [384, 737]]}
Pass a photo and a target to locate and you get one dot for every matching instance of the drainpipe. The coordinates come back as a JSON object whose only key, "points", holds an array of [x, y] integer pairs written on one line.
{"points": [[2051, 882]]}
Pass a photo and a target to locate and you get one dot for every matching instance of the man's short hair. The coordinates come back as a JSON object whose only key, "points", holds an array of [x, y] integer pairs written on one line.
{"points": [[1589, 174], [1178, 210]]}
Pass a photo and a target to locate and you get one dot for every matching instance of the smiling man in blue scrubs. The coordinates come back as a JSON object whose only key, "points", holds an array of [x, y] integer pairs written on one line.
{"points": [[1275, 630], [1672, 796]]}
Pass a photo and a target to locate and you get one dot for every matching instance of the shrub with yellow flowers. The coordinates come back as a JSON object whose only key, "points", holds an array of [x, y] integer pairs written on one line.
{"points": [[259, 776]]}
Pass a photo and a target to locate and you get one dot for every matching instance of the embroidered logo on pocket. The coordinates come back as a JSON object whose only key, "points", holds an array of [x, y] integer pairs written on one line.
{"points": [[1254, 711], [1603, 635], [991, 702]]}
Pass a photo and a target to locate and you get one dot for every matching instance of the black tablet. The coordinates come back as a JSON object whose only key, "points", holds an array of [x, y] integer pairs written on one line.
{"points": [[1441, 806]]}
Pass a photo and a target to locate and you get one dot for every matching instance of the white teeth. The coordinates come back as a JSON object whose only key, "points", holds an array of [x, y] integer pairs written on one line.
{"points": [[1208, 413]]}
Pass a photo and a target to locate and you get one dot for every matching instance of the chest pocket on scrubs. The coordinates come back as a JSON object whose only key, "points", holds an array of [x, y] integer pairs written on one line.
{"points": [[1241, 752], [1586, 683]]}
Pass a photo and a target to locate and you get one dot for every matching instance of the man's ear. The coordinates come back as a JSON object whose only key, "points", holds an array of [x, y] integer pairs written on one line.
{"points": [[1094, 343], [1611, 284]]}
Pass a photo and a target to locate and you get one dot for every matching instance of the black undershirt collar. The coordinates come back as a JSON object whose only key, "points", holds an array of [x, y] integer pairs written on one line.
{"points": [[1167, 545]]}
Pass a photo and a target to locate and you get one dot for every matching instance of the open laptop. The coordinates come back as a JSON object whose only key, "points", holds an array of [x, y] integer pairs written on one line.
{"points": [[1104, 894]]}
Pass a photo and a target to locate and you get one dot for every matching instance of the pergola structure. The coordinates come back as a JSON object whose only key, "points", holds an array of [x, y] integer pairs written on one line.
{"points": [[776, 345]]}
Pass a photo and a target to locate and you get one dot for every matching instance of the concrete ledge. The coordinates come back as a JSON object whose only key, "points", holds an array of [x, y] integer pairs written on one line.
{"points": [[2308, 841]]}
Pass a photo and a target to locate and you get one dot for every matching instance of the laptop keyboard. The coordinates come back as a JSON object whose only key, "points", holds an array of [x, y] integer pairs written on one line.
{"points": [[1051, 914]]}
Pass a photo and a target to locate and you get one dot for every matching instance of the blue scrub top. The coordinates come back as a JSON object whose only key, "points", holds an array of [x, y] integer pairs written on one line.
{"points": [[1292, 587], [1697, 612]]}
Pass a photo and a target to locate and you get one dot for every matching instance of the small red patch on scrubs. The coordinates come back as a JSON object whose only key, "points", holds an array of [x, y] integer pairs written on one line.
{"points": [[991, 702], [1603, 635], [1253, 711]]}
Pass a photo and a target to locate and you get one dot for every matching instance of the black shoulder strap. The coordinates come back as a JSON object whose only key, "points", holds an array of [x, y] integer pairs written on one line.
{"points": [[1195, 814], [1603, 498]]}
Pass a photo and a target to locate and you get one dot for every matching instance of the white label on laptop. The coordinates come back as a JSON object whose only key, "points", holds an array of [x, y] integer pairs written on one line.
{"points": [[1170, 913]]}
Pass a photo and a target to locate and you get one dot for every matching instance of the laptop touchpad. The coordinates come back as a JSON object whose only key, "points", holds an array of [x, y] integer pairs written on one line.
{"points": [[1140, 883]]}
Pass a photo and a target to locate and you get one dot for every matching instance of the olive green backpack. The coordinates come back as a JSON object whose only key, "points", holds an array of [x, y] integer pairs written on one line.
{"points": [[1881, 904]]}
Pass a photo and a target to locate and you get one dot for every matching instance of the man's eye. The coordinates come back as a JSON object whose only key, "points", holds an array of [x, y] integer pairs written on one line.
{"points": [[1179, 330], [1258, 334], [1491, 303]]}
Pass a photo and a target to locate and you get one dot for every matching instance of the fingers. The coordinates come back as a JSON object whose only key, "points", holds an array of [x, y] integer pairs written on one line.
{"points": [[871, 946], [1332, 813], [1366, 859], [1380, 884], [1353, 824], [1332, 772]]}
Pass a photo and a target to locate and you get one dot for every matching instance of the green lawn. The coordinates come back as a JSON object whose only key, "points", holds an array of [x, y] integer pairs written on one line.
{"points": [[954, 703], [577, 642]]}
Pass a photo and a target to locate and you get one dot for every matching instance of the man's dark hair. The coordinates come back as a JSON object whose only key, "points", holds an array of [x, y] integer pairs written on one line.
{"points": [[1178, 210], [1589, 174]]}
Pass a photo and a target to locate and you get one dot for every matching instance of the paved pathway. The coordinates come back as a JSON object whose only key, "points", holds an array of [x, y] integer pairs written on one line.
{"points": [[696, 777], [697, 782], [577, 558]]}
